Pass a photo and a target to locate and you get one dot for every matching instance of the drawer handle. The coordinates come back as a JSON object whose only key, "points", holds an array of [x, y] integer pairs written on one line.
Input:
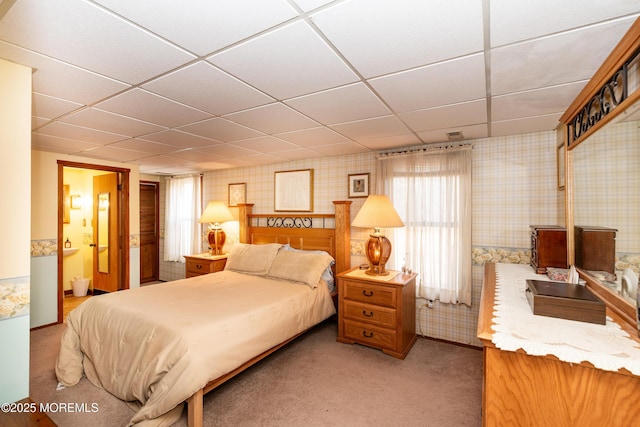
{"points": [[370, 294], [198, 266], [367, 334], [364, 313]]}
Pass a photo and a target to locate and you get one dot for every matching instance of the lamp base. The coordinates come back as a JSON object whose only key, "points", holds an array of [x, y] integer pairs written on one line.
{"points": [[378, 253], [216, 239]]}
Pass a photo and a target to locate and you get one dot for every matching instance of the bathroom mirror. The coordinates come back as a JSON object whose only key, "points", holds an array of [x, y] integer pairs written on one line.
{"points": [[103, 232]]}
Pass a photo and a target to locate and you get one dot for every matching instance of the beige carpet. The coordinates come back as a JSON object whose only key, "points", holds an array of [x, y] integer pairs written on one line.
{"points": [[314, 381]]}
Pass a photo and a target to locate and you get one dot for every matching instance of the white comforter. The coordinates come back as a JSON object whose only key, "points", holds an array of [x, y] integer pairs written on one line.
{"points": [[159, 344]]}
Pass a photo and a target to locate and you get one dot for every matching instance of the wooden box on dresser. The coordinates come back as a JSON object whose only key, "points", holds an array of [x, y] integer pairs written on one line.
{"points": [[548, 247], [377, 311], [595, 248], [198, 265]]}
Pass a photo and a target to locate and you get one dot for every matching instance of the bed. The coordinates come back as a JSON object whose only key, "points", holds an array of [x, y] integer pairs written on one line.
{"points": [[162, 345]]}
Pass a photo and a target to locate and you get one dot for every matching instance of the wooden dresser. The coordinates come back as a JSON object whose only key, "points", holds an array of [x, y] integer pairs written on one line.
{"points": [[200, 264], [377, 312], [520, 389], [548, 247]]}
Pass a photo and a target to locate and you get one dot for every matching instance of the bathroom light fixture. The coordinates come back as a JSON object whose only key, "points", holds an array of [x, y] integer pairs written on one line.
{"points": [[377, 212], [216, 213]]}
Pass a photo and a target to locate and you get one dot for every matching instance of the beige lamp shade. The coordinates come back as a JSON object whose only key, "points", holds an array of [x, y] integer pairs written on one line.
{"points": [[215, 213], [377, 212]]}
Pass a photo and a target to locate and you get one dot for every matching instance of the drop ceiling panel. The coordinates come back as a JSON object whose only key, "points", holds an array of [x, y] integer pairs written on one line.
{"points": [[446, 117], [179, 139], [390, 142], [287, 62], [106, 121], [372, 128], [380, 37], [117, 153], [445, 83], [146, 106], [530, 124], [148, 147], [229, 151], [298, 154], [205, 87], [312, 137], [55, 78], [221, 130], [308, 5], [86, 36], [340, 149], [49, 107], [347, 103], [206, 25], [513, 21], [59, 144], [272, 118], [549, 61], [535, 102], [79, 133], [265, 144]]}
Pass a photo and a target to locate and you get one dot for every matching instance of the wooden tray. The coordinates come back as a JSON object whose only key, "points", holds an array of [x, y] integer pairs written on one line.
{"points": [[565, 301]]}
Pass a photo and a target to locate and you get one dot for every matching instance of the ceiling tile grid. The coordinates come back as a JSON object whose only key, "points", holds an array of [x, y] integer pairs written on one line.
{"points": [[181, 88]]}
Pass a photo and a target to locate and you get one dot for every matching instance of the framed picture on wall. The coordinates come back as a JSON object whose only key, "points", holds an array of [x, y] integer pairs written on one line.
{"points": [[237, 194], [293, 191], [561, 171], [358, 185]]}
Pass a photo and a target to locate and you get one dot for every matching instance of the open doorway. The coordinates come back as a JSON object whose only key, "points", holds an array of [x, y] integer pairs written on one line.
{"points": [[93, 219]]}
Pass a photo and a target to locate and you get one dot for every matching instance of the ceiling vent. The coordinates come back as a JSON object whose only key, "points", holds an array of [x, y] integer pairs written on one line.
{"points": [[455, 136]]}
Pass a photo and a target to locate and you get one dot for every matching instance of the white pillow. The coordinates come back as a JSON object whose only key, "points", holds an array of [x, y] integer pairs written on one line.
{"points": [[251, 259], [327, 274], [300, 266]]}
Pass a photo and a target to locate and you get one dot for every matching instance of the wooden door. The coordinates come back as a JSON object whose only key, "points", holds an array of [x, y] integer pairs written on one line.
{"points": [[149, 231], [106, 230]]}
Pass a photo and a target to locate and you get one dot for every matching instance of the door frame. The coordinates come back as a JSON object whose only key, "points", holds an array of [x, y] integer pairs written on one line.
{"points": [[123, 226]]}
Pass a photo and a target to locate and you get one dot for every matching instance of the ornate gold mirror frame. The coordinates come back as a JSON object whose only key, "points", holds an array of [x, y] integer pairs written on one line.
{"points": [[611, 90]]}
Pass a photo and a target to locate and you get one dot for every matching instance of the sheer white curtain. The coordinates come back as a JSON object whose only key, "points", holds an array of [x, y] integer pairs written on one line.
{"points": [[431, 190], [182, 209]]}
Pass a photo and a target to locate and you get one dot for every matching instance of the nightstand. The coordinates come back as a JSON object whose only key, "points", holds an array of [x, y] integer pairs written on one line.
{"points": [[377, 311], [200, 264]]}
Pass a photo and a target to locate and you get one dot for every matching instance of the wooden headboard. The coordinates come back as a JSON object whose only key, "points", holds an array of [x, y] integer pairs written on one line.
{"points": [[302, 231]]}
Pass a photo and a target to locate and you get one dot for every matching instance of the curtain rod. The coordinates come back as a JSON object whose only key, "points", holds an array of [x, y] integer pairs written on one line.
{"points": [[426, 150]]}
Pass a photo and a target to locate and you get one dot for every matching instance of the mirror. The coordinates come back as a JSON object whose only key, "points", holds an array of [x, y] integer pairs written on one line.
{"points": [[103, 232], [606, 193]]}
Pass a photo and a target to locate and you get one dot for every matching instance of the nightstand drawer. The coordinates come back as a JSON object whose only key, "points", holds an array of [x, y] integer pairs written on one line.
{"points": [[370, 294], [373, 314], [370, 335], [197, 265]]}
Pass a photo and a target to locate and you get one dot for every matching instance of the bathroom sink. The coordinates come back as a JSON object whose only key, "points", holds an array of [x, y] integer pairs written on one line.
{"points": [[69, 251]]}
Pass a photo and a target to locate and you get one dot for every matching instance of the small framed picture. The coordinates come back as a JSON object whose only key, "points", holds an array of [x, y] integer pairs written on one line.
{"points": [[237, 194], [358, 185]]}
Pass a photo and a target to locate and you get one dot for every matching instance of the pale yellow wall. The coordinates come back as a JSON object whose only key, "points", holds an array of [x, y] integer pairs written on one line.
{"points": [[15, 166]]}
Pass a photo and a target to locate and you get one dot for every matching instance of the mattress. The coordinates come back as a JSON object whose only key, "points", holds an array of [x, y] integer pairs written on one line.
{"points": [[157, 345]]}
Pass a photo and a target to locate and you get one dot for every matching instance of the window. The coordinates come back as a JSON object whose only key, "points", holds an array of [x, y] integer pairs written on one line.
{"points": [[431, 190], [182, 210]]}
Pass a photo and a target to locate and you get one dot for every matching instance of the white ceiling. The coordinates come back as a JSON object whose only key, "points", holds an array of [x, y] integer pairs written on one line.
{"points": [[178, 87]]}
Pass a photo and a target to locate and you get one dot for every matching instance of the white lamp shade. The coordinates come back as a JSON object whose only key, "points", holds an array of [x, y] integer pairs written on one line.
{"points": [[216, 212], [377, 212]]}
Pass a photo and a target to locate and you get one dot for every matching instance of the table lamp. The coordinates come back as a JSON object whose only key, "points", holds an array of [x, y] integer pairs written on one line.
{"points": [[215, 213], [377, 212]]}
